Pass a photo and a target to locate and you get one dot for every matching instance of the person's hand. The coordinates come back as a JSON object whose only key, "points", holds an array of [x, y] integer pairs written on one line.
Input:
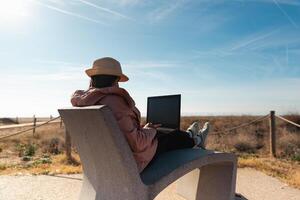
{"points": [[150, 125]]}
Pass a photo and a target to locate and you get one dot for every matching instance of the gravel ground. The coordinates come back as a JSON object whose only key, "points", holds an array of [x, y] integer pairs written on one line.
{"points": [[253, 185]]}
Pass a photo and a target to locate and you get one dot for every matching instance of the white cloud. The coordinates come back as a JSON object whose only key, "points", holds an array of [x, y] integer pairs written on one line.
{"points": [[129, 2], [256, 43], [41, 92], [125, 3], [60, 64], [290, 19], [280, 40], [64, 74], [255, 38], [103, 9], [149, 64], [166, 10], [57, 2], [285, 2], [69, 13]]}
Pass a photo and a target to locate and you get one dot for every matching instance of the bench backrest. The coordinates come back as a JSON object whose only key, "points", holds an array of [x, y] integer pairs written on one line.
{"points": [[103, 149]]}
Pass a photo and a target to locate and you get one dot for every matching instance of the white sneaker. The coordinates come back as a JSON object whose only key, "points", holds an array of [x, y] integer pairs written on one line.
{"points": [[203, 134], [193, 129]]}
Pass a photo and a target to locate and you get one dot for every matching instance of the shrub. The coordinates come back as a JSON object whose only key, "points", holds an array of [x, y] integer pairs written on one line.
{"points": [[30, 150], [244, 147], [20, 149], [289, 146], [296, 157], [26, 158], [54, 147], [45, 159], [2, 167], [26, 149]]}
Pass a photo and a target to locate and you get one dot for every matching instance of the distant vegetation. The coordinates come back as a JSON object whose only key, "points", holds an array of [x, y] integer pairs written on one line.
{"points": [[7, 121]]}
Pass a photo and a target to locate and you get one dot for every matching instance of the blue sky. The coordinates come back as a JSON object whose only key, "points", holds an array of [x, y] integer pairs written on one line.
{"points": [[223, 56]]}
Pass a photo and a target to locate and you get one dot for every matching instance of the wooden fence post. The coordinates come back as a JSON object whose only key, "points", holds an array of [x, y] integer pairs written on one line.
{"points": [[61, 122], [68, 146], [34, 124], [272, 125]]}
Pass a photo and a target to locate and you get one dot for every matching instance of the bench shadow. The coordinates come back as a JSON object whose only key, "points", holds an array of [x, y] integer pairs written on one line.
{"points": [[239, 197]]}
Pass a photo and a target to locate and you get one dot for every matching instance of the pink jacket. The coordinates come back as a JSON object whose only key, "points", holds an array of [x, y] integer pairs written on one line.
{"points": [[142, 141]]}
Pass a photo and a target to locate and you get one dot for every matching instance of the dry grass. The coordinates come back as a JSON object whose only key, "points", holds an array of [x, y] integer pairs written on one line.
{"points": [[285, 170], [7, 121], [58, 165], [13, 149], [48, 158], [48, 145]]}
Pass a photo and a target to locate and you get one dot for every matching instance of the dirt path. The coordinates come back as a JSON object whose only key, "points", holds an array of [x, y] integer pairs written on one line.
{"points": [[251, 184]]}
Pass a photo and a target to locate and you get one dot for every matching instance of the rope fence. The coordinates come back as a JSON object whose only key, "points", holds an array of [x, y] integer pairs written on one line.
{"points": [[240, 126], [229, 131], [29, 129], [288, 121]]}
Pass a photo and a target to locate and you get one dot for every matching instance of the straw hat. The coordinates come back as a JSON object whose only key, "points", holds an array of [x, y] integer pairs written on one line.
{"points": [[107, 66]]}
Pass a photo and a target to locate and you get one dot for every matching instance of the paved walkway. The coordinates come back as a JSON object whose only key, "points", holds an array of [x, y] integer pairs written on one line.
{"points": [[251, 184]]}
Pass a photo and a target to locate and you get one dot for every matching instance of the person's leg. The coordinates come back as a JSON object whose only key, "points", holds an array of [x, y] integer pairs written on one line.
{"points": [[174, 140]]}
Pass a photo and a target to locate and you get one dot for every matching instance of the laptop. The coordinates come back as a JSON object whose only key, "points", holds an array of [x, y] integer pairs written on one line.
{"points": [[164, 110]]}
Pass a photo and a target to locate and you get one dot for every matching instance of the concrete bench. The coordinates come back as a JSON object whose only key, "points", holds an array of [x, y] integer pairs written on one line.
{"points": [[110, 171]]}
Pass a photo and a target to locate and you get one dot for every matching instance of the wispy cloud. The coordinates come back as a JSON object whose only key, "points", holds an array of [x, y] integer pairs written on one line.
{"points": [[166, 10], [284, 2], [149, 64], [150, 76], [66, 12], [57, 2], [286, 14], [62, 74], [270, 40], [107, 10], [125, 3], [59, 63], [251, 40], [260, 44]]}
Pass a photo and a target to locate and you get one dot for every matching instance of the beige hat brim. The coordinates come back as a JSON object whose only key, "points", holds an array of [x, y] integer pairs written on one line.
{"points": [[92, 72]]}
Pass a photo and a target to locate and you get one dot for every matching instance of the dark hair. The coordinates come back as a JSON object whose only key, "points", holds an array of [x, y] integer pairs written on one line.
{"points": [[101, 81]]}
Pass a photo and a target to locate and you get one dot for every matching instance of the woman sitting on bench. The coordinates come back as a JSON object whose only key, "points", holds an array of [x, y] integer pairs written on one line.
{"points": [[145, 141]]}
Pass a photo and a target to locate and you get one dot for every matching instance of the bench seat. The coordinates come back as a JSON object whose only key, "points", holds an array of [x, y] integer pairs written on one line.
{"points": [[170, 161]]}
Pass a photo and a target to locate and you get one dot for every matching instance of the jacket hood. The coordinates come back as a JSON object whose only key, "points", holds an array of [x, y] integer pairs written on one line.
{"points": [[93, 95]]}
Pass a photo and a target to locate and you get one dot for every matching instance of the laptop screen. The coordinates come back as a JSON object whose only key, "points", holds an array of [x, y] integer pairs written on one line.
{"points": [[164, 110]]}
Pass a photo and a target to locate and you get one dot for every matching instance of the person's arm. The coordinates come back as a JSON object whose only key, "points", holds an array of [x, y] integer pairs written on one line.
{"points": [[138, 138], [83, 98], [75, 98]]}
